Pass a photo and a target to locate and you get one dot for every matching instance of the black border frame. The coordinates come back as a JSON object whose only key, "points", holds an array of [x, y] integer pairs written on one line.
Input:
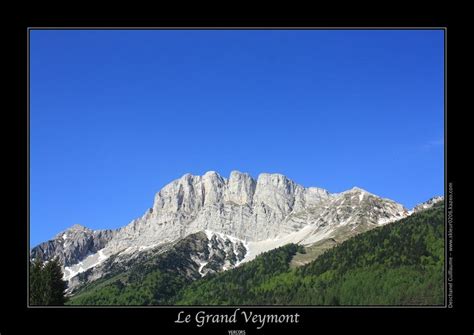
{"points": [[313, 321]]}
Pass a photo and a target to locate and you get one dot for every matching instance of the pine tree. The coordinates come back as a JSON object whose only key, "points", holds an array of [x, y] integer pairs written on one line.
{"points": [[46, 284], [54, 284], [36, 282]]}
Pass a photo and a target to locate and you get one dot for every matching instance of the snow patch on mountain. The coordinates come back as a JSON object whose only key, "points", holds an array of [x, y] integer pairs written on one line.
{"points": [[306, 236], [84, 265], [201, 266]]}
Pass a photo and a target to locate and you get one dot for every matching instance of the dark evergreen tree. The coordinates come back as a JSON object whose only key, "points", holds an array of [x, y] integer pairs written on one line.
{"points": [[36, 282], [54, 283], [46, 284]]}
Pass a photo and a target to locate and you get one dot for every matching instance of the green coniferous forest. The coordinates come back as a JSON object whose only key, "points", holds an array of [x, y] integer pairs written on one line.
{"points": [[401, 263]]}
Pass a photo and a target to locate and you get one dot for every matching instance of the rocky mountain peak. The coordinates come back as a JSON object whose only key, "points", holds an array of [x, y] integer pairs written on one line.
{"points": [[186, 176], [73, 244], [356, 189], [237, 175], [212, 174], [78, 227], [275, 179], [74, 230], [428, 204], [265, 209], [240, 188]]}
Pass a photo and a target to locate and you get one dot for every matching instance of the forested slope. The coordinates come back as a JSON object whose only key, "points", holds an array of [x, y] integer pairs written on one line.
{"points": [[401, 263]]}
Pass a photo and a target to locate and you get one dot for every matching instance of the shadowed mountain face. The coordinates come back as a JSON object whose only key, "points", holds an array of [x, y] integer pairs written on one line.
{"points": [[192, 257], [253, 216], [73, 245]]}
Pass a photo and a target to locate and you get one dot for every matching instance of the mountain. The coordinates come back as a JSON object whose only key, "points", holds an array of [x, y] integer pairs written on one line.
{"points": [[428, 204], [73, 245], [401, 263], [254, 215], [149, 277], [398, 264]]}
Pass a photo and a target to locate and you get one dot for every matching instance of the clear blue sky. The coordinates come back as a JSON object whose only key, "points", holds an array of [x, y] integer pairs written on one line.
{"points": [[116, 115]]}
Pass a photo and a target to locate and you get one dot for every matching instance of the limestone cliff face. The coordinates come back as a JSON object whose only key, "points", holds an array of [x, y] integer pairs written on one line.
{"points": [[240, 207]]}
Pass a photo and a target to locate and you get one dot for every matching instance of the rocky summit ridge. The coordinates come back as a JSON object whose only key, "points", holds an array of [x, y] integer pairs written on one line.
{"points": [[253, 215]]}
